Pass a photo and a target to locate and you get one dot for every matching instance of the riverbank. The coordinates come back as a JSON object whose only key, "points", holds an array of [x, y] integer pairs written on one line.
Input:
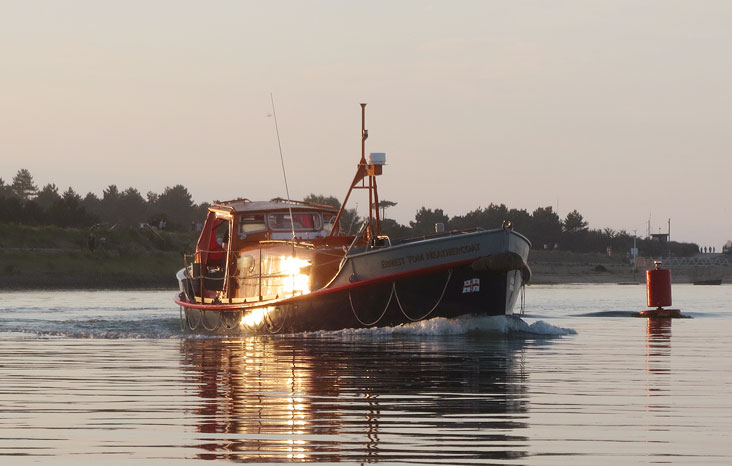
{"points": [[47, 257], [75, 268], [79, 269], [562, 267]]}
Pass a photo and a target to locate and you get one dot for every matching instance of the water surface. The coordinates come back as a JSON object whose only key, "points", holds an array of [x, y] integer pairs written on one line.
{"points": [[108, 376]]}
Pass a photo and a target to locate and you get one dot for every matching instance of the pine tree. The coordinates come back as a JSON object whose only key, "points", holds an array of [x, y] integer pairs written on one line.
{"points": [[574, 222], [5, 190], [47, 196], [23, 185]]}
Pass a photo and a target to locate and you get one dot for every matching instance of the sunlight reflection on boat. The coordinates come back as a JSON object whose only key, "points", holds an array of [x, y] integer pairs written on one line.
{"points": [[296, 283], [255, 317]]}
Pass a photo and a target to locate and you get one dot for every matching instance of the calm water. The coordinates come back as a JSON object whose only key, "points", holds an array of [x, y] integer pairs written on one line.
{"points": [[107, 376]]}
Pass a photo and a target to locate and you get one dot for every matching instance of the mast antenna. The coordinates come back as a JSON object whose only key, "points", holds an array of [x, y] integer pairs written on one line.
{"points": [[284, 173]]}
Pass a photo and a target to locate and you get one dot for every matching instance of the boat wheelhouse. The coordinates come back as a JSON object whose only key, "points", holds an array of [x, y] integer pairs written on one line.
{"points": [[262, 251]]}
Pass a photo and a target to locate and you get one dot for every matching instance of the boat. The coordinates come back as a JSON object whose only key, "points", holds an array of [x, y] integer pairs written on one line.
{"points": [[284, 266], [714, 281]]}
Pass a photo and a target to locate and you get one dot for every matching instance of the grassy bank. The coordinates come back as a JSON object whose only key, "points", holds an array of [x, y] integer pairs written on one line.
{"points": [[77, 269], [550, 267], [52, 257]]}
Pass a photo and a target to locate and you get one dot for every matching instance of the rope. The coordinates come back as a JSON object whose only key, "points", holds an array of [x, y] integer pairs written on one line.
{"points": [[188, 321], [180, 317], [270, 325], [439, 300], [391, 295], [523, 297], [203, 322], [234, 323]]}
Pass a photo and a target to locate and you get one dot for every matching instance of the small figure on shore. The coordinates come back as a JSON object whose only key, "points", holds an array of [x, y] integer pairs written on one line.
{"points": [[91, 242]]}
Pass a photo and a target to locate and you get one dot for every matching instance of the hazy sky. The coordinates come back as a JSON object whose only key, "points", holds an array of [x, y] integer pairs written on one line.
{"points": [[621, 110]]}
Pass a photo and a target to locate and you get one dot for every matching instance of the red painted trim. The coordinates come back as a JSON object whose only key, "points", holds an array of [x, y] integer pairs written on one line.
{"points": [[326, 291], [214, 307]]}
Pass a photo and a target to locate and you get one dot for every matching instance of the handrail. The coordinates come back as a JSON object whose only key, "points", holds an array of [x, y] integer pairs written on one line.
{"points": [[286, 242], [358, 236], [256, 279], [439, 235]]}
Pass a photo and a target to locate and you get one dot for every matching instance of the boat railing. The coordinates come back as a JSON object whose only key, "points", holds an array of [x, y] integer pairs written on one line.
{"points": [[289, 242], [438, 235], [265, 273], [275, 270], [208, 277], [357, 237]]}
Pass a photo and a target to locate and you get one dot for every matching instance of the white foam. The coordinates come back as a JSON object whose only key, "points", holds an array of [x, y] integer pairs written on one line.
{"points": [[509, 326], [465, 325], [543, 328]]}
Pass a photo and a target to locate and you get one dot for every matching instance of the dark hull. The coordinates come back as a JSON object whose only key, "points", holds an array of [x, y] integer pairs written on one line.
{"points": [[445, 293], [709, 282]]}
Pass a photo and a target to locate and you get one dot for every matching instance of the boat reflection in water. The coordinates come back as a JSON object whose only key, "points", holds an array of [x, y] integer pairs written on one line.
{"points": [[355, 398]]}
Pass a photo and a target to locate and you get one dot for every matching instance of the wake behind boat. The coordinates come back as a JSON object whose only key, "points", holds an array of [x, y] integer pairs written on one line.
{"points": [[284, 266]]}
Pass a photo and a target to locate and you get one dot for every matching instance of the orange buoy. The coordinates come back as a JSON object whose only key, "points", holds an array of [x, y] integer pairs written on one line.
{"points": [[658, 292]]}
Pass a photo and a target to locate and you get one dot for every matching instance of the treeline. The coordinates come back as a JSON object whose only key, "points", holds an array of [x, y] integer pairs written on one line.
{"points": [[547, 230], [543, 227], [22, 202]]}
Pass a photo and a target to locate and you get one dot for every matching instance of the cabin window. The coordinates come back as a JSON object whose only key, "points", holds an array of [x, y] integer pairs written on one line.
{"points": [[222, 231], [251, 224], [302, 222], [328, 220]]}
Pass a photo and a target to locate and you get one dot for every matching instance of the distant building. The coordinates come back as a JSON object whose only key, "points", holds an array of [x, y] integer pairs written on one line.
{"points": [[661, 237]]}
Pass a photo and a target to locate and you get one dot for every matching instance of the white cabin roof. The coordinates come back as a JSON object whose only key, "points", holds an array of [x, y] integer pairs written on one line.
{"points": [[277, 204]]}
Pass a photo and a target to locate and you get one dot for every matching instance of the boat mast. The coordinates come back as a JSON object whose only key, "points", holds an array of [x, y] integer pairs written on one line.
{"points": [[374, 227], [364, 169]]}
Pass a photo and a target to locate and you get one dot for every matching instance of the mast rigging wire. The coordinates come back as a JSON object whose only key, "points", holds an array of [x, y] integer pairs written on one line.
{"points": [[284, 173]]}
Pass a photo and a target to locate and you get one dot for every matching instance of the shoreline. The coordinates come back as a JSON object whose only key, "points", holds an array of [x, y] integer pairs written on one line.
{"points": [[26, 270], [87, 282], [542, 274]]}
